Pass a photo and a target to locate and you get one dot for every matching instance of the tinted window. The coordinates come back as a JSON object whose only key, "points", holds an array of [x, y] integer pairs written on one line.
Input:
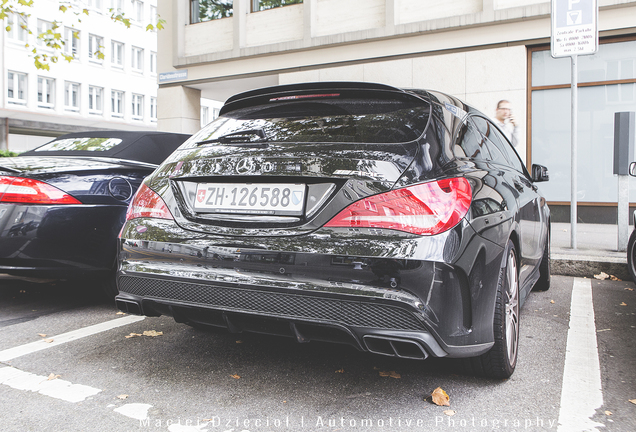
{"points": [[500, 141], [487, 129], [504, 148], [391, 120], [471, 144]]}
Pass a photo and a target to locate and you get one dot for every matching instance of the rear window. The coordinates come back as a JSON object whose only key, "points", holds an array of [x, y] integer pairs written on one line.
{"points": [[330, 119], [83, 144]]}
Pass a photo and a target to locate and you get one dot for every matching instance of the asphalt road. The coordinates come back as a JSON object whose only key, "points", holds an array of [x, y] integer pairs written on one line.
{"points": [[62, 370]]}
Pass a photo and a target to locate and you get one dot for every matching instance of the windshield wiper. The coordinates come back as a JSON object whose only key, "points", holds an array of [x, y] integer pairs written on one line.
{"points": [[246, 137]]}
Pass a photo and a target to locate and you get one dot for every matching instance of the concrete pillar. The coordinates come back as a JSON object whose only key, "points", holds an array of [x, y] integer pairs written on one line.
{"points": [[239, 16], [178, 109]]}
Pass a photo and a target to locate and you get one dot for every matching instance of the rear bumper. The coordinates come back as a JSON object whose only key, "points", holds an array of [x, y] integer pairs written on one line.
{"points": [[58, 242], [390, 305]]}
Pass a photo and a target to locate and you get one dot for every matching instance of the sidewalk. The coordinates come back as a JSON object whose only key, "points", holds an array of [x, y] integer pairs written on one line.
{"points": [[596, 251]]}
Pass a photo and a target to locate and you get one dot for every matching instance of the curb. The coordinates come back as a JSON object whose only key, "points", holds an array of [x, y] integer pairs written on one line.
{"points": [[588, 268]]}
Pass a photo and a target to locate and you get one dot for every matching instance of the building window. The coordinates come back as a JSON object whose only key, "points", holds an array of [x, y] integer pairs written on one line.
{"points": [[153, 109], [17, 88], [71, 96], [137, 60], [259, 5], [138, 10], [153, 62], [95, 4], [46, 92], [117, 54], [153, 15], [95, 47], [206, 10], [44, 27], [607, 84], [17, 25], [205, 115], [117, 6], [71, 42], [117, 103], [137, 106], [95, 97]]}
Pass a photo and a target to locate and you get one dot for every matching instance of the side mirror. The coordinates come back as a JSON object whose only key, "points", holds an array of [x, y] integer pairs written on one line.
{"points": [[540, 173], [632, 169]]}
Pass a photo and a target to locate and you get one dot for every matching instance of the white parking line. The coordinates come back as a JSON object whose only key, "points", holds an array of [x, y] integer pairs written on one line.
{"points": [[55, 388], [582, 393], [11, 353]]}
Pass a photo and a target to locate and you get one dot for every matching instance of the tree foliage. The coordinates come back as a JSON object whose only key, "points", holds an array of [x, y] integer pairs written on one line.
{"points": [[51, 37]]}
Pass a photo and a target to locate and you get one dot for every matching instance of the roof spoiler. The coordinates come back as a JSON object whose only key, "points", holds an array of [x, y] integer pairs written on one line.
{"points": [[242, 99]]}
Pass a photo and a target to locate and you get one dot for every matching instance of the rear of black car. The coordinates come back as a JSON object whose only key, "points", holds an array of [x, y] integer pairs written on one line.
{"points": [[63, 204], [332, 212]]}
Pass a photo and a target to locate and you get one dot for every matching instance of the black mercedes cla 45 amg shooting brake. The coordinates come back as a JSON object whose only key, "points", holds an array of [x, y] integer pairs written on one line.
{"points": [[401, 222]]}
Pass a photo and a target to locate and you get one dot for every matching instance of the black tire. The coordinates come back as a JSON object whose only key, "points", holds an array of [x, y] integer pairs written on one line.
{"points": [[631, 255], [500, 361], [543, 284]]}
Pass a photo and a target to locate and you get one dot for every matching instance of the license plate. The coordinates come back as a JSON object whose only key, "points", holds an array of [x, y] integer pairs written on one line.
{"points": [[250, 198]]}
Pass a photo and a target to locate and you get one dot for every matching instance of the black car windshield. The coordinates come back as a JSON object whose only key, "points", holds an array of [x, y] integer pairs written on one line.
{"points": [[329, 120]]}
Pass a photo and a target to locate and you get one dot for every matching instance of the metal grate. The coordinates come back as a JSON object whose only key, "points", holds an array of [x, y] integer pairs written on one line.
{"points": [[358, 314]]}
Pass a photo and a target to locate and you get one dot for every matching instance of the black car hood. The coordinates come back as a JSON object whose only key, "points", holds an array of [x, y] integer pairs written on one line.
{"points": [[33, 165]]}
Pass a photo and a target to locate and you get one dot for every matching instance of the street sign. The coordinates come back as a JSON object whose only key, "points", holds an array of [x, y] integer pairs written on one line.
{"points": [[574, 27]]}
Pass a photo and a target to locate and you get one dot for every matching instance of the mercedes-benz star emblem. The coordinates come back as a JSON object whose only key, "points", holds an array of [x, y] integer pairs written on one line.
{"points": [[244, 166]]}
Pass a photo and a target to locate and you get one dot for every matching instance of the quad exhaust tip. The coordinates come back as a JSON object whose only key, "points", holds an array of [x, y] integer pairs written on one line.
{"points": [[130, 307], [395, 347]]}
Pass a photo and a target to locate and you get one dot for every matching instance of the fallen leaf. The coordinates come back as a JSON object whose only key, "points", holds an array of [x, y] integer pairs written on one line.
{"points": [[120, 313], [239, 341], [392, 374], [122, 396], [601, 276], [440, 397], [52, 377], [340, 371], [633, 401], [450, 412], [133, 335], [236, 376], [614, 278], [629, 289], [552, 301], [623, 304], [48, 340], [608, 413], [41, 335], [152, 333]]}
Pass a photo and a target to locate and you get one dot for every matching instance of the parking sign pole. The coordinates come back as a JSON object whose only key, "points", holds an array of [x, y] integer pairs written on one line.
{"points": [[574, 150], [574, 33]]}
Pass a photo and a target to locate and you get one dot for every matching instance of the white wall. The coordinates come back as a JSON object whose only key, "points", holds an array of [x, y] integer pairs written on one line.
{"points": [[408, 11]]}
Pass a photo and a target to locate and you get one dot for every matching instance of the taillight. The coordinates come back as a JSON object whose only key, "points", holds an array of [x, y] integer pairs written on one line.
{"points": [[28, 191], [424, 209], [147, 204]]}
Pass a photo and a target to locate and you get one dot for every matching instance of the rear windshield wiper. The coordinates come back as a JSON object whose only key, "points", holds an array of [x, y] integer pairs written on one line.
{"points": [[246, 137]]}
